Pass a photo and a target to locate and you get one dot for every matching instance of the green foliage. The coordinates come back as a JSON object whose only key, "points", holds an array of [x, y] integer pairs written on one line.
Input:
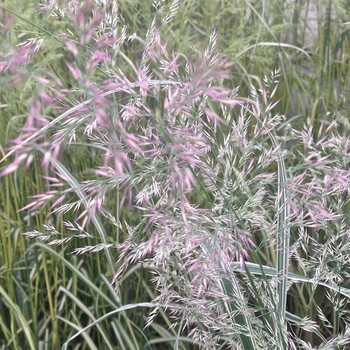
{"points": [[49, 296]]}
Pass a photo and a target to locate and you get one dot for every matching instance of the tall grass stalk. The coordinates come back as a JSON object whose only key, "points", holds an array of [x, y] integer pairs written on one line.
{"points": [[220, 209]]}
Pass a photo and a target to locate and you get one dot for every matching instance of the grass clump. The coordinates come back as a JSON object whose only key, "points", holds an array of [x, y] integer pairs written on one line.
{"points": [[224, 211]]}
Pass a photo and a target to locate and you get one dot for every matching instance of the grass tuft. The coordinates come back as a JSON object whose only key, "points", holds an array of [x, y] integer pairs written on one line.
{"points": [[160, 188]]}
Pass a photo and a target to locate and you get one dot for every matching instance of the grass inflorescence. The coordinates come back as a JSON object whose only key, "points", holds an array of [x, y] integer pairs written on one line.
{"points": [[174, 175]]}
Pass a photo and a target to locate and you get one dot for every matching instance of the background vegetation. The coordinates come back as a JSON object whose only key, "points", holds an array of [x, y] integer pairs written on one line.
{"points": [[47, 293]]}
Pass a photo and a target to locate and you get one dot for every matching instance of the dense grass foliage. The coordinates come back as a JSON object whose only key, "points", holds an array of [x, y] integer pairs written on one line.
{"points": [[174, 174]]}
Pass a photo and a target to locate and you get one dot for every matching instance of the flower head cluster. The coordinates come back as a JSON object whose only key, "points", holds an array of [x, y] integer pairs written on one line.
{"points": [[197, 165]]}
